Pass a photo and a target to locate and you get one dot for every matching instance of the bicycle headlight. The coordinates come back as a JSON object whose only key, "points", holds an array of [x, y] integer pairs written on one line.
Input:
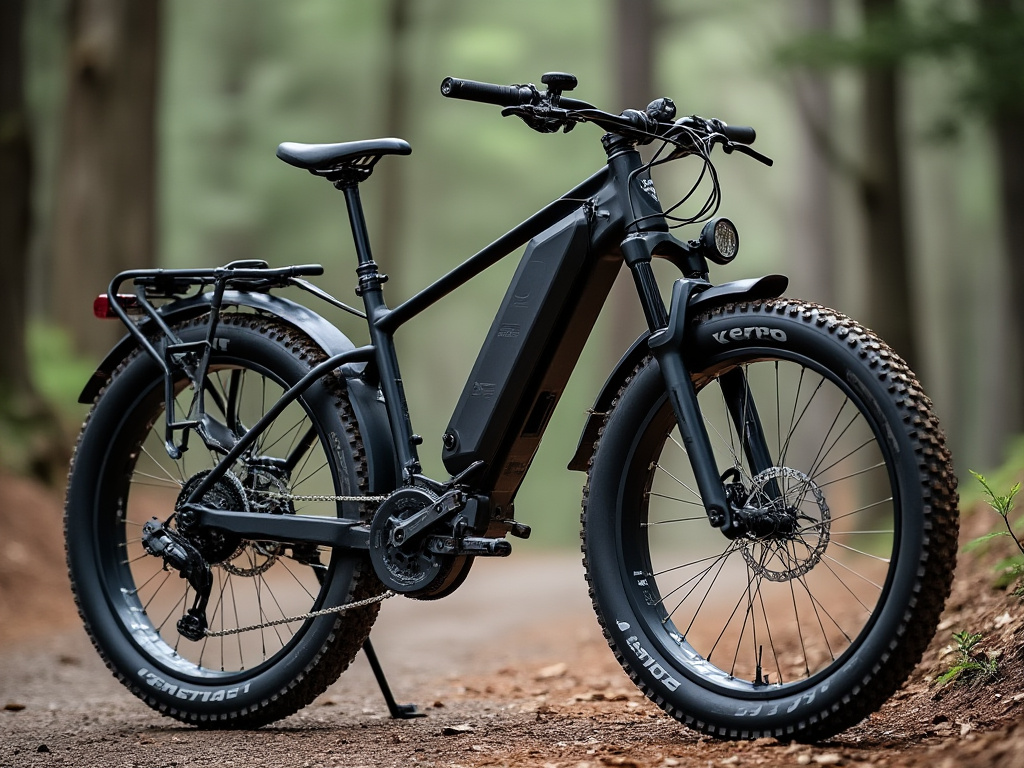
{"points": [[720, 241]]}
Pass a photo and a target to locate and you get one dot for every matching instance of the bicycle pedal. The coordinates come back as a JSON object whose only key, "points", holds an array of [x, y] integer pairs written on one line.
{"points": [[517, 529], [470, 545], [485, 547]]}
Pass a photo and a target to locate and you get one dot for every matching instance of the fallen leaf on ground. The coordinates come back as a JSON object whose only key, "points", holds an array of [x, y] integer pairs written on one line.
{"points": [[555, 670]]}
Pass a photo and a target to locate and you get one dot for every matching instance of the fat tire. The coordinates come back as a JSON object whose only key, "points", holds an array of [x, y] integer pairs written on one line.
{"points": [[287, 681], [920, 576]]}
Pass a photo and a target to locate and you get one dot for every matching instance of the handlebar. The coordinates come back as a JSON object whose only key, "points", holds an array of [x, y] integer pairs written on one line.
{"points": [[503, 95], [548, 111]]}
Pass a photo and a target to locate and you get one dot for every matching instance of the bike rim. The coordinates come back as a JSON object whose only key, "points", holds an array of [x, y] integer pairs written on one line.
{"points": [[773, 613]]}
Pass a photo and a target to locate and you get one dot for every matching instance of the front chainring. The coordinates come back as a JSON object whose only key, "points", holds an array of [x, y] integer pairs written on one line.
{"points": [[409, 568]]}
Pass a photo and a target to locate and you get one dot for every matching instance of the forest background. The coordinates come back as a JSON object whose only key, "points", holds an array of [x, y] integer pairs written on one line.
{"points": [[139, 133]]}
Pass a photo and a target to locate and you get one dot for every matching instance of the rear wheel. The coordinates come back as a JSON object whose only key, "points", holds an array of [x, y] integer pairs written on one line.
{"points": [[122, 477], [811, 619]]}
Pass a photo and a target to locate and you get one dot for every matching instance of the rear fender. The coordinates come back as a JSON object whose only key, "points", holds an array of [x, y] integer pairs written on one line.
{"points": [[767, 287], [364, 394]]}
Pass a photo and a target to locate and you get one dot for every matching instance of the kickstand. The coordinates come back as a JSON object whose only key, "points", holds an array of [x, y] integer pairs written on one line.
{"points": [[398, 711]]}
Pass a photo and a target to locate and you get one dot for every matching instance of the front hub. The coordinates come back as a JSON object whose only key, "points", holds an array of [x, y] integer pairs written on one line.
{"points": [[787, 524]]}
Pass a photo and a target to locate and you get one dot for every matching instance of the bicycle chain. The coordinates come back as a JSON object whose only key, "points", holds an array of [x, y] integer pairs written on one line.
{"points": [[314, 497], [311, 615]]}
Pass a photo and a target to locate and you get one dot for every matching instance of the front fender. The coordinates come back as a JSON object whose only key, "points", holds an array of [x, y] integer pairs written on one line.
{"points": [[367, 402], [767, 287]]}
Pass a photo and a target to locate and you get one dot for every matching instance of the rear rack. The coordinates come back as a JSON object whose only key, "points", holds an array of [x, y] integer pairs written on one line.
{"points": [[171, 353]]}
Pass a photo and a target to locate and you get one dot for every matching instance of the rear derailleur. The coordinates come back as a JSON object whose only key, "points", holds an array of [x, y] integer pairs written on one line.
{"points": [[178, 553]]}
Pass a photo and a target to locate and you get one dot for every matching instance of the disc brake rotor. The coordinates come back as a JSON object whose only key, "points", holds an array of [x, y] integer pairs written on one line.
{"points": [[266, 493], [795, 549]]}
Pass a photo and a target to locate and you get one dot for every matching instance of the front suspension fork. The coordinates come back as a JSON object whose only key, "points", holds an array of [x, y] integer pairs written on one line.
{"points": [[666, 344]]}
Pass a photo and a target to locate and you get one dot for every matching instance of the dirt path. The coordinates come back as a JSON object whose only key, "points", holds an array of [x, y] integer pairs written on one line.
{"points": [[511, 670]]}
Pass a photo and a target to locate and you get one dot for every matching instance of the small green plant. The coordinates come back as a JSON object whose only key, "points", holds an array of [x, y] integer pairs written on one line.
{"points": [[1009, 569], [970, 667]]}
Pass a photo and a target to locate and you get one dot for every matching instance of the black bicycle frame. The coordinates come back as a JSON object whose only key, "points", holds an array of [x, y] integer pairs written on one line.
{"points": [[578, 244]]}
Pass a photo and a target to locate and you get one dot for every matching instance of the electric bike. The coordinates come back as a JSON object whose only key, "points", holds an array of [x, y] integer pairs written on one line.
{"points": [[769, 519]]}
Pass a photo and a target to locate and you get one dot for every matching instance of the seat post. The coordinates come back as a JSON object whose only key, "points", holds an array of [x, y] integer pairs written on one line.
{"points": [[370, 279], [355, 216]]}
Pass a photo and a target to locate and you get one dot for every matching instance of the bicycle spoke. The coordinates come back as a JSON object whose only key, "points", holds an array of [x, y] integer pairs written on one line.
{"points": [[885, 560], [794, 424], [700, 605], [299, 448], [680, 482], [177, 481], [696, 579], [255, 585], [676, 520], [845, 567], [817, 434]]}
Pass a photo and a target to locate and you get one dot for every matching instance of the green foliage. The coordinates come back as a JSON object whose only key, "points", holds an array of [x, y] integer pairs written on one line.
{"points": [[983, 50], [59, 374], [969, 667], [1011, 568], [1003, 505]]}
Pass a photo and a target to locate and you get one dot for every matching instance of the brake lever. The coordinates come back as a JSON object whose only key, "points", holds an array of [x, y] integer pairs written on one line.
{"points": [[542, 118], [730, 146]]}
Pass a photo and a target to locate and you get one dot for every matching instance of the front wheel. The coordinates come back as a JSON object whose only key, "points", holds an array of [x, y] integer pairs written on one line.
{"points": [[813, 617]]}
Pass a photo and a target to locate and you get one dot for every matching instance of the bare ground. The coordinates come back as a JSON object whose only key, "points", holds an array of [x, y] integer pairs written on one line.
{"points": [[511, 670]]}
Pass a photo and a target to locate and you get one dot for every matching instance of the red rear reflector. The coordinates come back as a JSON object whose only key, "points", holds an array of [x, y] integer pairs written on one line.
{"points": [[104, 311]]}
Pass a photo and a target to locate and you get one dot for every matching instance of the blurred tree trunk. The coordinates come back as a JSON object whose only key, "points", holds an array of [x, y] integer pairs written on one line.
{"points": [[1008, 128], [396, 124], [813, 256], [33, 441], [889, 302], [106, 187], [633, 40], [15, 197]]}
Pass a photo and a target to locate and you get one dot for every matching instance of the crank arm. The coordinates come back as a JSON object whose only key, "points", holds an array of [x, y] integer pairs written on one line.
{"points": [[445, 506], [292, 529]]}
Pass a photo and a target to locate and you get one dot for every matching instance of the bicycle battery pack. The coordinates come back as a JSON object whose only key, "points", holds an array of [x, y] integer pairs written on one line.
{"points": [[531, 348]]}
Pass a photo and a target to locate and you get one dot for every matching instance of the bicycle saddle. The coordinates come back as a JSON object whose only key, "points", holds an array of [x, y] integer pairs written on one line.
{"points": [[330, 157]]}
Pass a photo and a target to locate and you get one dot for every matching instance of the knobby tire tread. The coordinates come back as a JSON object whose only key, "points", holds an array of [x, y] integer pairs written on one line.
{"points": [[335, 655], [935, 569]]}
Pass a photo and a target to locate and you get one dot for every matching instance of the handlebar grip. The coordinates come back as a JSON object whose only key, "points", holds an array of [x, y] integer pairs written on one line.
{"points": [[486, 93], [741, 134], [301, 270]]}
